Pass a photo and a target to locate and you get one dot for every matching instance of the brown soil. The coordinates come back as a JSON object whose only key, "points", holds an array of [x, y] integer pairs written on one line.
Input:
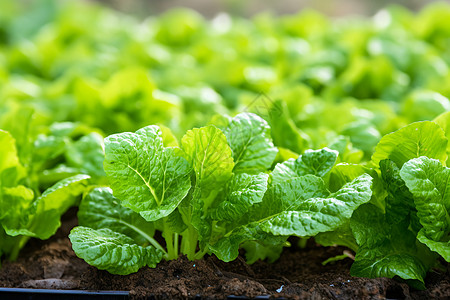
{"points": [[298, 274]]}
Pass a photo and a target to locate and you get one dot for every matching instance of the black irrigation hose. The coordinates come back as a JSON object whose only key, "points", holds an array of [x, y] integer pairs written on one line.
{"points": [[44, 294], [38, 294]]}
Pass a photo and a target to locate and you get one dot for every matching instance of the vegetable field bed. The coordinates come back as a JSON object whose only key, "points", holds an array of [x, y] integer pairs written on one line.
{"points": [[299, 274], [290, 156]]}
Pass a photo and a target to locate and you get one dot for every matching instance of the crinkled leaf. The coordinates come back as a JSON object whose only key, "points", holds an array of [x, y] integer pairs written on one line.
{"points": [[207, 150], [100, 209], [343, 173], [288, 195], [295, 207], [412, 141], [112, 251], [314, 162], [387, 250], [386, 261], [429, 182], [314, 215], [278, 198], [249, 138], [399, 201], [145, 176], [241, 192]]}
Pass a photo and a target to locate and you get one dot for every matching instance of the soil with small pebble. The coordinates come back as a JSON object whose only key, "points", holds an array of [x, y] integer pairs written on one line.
{"points": [[298, 274]]}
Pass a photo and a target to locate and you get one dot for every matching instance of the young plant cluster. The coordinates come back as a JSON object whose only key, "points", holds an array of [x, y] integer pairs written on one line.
{"points": [[211, 194], [217, 192]]}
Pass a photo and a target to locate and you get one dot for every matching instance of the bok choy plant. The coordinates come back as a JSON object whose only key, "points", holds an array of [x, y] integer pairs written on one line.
{"points": [[211, 194]]}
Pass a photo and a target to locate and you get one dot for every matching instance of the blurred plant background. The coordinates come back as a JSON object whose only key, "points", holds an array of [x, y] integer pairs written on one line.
{"points": [[250, 7]]}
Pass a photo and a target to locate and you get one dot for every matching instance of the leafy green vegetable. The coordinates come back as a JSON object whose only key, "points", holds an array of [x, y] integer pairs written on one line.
{"points": [[300, 206], [23, 212], [443, 120], [314, 162], [100, 209], [222, 210], [240, 193], [208, 152], [41, 217], [144, 175], [386, 250], [249, 138], [428, 182], [117, 238], [415, 140], [112, 251]]}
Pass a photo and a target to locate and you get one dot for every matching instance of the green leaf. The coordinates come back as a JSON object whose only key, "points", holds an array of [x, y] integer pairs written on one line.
{"points": [[112, 251], [399, 201], [8, 153], [42, 218], [301, 206], [145, 176], [363, 135], [288, 195], [343, 173], [243, 191], [19, 123], [249, 138], [255, 251], [341, 236], [175, 222], [425, 105], [207, 150], [314, 162], [169, 139], [227, 248], [387, 250], [284, 131], [87, 154], [100, 209], [443, 248], [443, 120], [412, 141], [429, 182], [347, 152], [386, 260], [13, 202], [313, 215]]}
